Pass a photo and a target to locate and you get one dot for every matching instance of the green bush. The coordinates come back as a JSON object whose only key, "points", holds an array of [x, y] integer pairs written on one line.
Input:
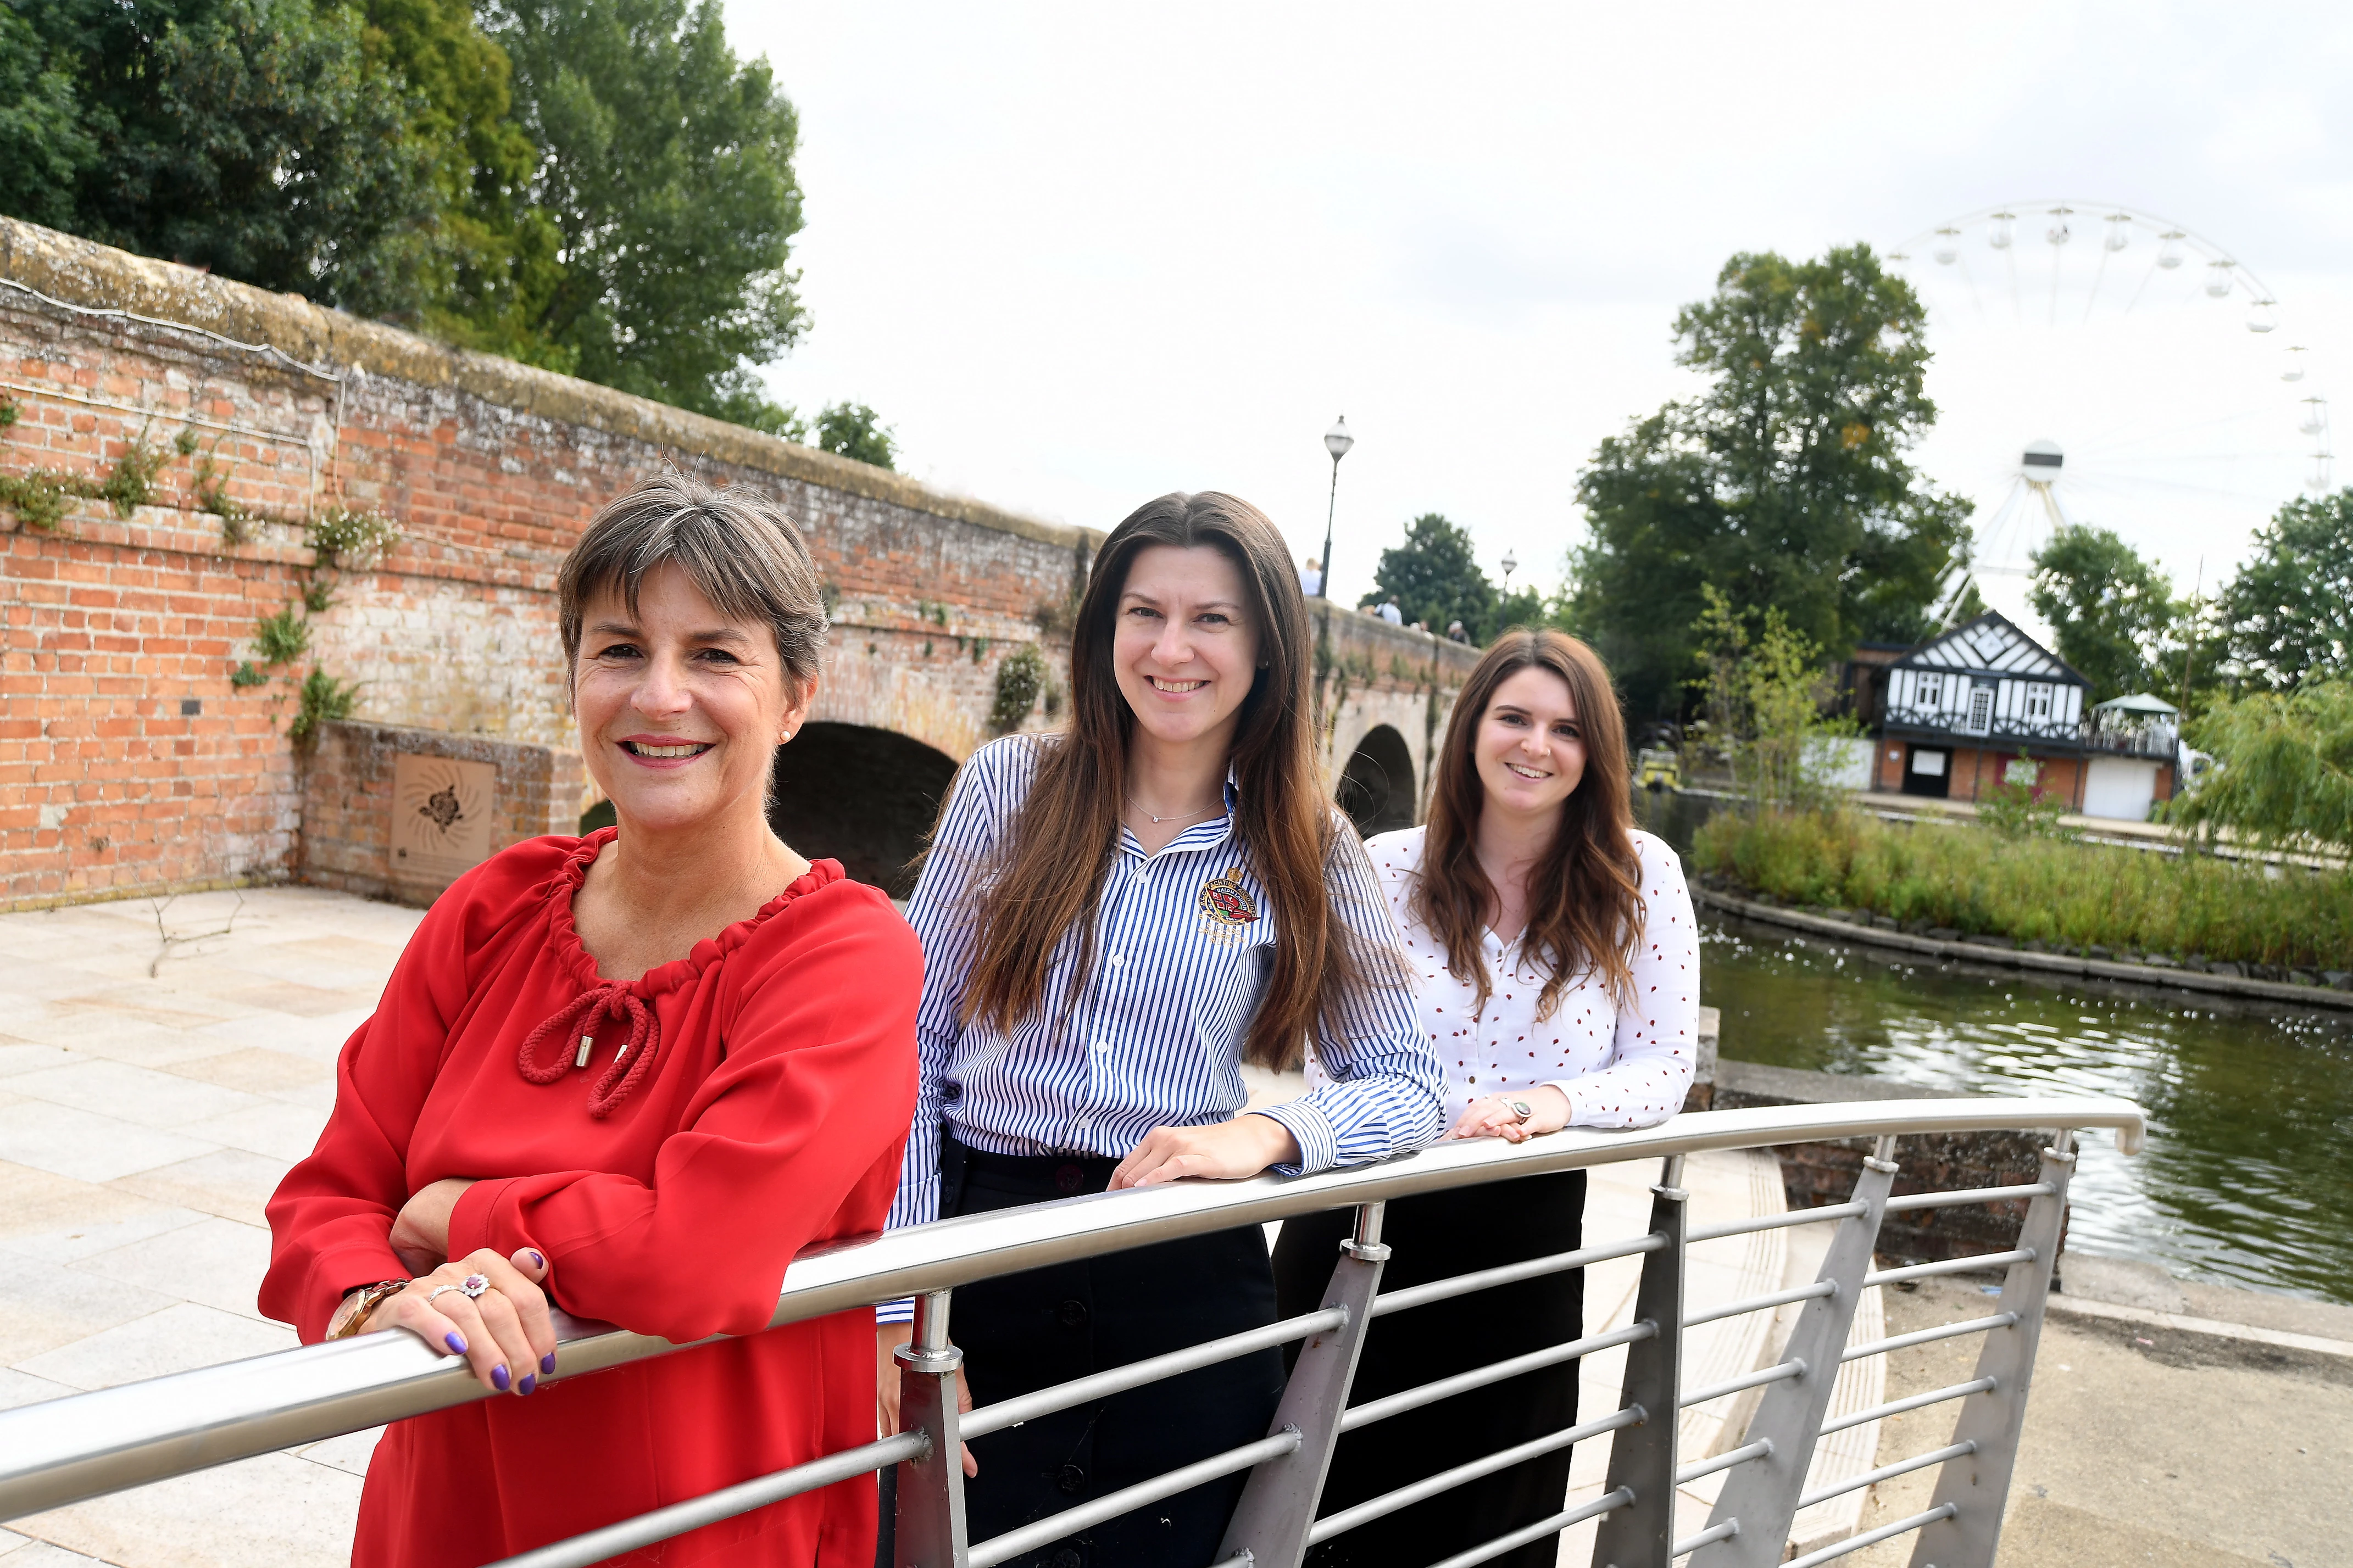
{"points": [[323, 701], [2037, 889], [1020, 678]]}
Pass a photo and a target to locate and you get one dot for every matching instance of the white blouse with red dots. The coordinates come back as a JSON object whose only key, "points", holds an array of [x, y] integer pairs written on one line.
{"points": [[1620, 1067]]}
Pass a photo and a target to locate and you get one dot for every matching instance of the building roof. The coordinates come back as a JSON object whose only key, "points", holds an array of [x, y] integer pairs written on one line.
{"points": [[1991, 645], [2138, 703]]}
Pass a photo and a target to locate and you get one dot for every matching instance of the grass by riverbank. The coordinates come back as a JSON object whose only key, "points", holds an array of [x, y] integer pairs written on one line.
{"points": [[2064, 895]]}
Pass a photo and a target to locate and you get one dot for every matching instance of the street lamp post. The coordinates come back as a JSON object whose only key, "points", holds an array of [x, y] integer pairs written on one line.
{"points": [[1336, 441], [1511, 564]]}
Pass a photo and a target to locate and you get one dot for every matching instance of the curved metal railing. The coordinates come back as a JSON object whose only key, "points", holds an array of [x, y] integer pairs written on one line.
{"points": [[84, 1446]]}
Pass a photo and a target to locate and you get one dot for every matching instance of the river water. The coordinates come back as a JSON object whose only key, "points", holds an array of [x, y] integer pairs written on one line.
{"points": [[2247, 1177]]}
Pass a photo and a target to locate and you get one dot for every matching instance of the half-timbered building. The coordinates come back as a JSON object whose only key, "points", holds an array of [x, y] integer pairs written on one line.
{"points": [[1984, 703]]}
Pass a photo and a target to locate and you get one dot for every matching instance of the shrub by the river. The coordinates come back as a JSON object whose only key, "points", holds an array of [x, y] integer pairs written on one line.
{"points": [[2044, 890]]}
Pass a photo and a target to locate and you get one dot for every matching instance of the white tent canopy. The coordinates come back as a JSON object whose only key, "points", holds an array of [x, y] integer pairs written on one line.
{"points": [[2138, 703]]}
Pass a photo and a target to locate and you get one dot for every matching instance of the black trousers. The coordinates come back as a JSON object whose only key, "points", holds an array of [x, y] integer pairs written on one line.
{"points": [[1436, 1236], [1030, 1330]]}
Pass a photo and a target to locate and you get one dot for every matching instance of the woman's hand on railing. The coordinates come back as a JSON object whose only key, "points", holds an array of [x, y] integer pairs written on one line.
{"points": [[1496, 1115], [1224, 1150], [500, 1325], [888, 1338]]}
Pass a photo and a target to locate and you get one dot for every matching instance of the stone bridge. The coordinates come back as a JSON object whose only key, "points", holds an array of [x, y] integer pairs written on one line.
{"points": [[185, 457]]}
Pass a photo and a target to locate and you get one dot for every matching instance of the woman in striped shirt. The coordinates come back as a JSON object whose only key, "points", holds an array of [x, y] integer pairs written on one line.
{"points": [[1558, 967], [1113, 920]]}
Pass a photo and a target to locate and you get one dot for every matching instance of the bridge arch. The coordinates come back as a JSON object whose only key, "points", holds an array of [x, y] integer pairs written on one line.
{"points": [[864, 797], [1376, 787]]}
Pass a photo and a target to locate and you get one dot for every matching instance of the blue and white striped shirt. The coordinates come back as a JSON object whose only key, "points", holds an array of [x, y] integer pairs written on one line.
{"points": [[1153, 1039]]}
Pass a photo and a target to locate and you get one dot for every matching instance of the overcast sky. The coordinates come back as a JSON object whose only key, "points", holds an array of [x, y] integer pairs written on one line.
{"points": [[1079, 256]]}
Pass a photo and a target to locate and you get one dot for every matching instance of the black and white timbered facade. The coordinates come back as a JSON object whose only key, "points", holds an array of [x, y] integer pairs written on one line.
{"points": [[1989, 685]]}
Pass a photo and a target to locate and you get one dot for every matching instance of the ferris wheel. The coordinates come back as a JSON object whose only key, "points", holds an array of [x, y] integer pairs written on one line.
{"points": [[2099, 363]]}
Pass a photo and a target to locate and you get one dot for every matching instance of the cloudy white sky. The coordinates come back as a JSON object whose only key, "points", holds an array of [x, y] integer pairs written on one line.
{"points": [[1079, 256]]}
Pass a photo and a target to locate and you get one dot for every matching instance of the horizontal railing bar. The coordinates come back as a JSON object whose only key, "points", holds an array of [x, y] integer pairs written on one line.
{"points": [[1775, 1222], [83, 1446], [1832, 1554], [1746, 1380], [1982, 1260], [1708, 1537], [1917, 1402], [1447, 1480], [597, 1545], [1605, 1504], [1759, 1303], [1029, 1407], [1886, 1473], [1929, 1336], [1495, 1371], [1071, 1520], [1510, 1274], [1911, 1201], [1761, 1448]]}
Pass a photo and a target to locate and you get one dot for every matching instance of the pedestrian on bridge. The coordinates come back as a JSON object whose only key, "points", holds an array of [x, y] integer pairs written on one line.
{"points": [[1558, 966], [1115, 920], [632, 1074]]}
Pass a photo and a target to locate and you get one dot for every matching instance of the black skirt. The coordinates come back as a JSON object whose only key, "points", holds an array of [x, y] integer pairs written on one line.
{"points": [[1030, 1330], [1436, 1236]]}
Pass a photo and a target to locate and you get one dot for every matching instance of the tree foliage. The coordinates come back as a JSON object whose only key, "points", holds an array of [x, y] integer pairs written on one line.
{"points": [[2285, 773], [854, 431], [256, 138], [2113, 612], [1784, 484], [1436, 579], [2288, 615], [1761, 696]]}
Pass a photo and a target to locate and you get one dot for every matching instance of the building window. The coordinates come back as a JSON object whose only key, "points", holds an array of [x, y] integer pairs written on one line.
{"points": [[1929, 690], [2038, 702]]}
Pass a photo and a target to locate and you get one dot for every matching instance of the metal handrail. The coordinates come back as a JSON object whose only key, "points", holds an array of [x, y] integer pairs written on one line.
{"points": [[84, 1446]]}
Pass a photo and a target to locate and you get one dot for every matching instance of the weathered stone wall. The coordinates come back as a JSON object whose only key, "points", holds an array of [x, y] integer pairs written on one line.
{"points": [[130, 762], [348, 804]]}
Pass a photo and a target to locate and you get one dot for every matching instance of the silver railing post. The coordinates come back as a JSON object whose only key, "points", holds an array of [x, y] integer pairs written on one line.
{"points": [[1641, 1534], [930, 1530], [1977, 1485], [1763, 1493], [1278, 1508]]}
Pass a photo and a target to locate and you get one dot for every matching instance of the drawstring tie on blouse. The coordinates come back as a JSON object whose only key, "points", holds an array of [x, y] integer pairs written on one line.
{"points": [[580, 1019]]}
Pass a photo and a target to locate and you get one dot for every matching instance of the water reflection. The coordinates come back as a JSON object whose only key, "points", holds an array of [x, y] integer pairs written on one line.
{"points": [[2247, 1178]]}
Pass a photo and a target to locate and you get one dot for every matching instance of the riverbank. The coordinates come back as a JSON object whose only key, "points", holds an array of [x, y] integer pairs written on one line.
{"points": [[2054, 897]]}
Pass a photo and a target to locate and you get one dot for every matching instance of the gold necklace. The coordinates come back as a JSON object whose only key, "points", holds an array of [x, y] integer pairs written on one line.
{"points": [[1173, 817]]}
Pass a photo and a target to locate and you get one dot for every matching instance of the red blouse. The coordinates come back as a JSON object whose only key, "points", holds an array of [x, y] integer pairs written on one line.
{"points": [[772, 1117]]}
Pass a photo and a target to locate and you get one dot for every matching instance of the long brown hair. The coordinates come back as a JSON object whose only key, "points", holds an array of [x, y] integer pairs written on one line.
{"points": [[1049, 875], [1585, 898]]}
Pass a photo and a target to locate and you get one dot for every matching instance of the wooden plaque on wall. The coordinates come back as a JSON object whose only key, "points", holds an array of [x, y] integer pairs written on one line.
{"points": [[441, 816]]}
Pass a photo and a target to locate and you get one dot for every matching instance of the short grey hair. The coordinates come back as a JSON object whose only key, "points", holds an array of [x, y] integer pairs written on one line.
{"points": [[736, 546]]}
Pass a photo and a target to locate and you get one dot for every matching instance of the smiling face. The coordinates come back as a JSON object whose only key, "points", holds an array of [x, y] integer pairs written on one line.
{"points": [[1183, 647], [1530, 750], [682, 707]]}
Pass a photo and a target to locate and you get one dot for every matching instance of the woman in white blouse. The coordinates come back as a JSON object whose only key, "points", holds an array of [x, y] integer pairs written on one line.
{"points": [[1558, 966]]}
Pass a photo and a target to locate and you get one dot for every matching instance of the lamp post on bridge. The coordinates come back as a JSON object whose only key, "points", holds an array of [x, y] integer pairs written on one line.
{"points": [[1336, 441]]}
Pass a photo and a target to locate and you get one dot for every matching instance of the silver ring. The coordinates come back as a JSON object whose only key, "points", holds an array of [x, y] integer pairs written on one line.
{"points": [[472, 1287]]}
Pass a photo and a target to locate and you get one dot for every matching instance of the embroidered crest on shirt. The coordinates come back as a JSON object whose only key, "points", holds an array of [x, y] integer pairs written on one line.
{"points": [[1227, 904]]}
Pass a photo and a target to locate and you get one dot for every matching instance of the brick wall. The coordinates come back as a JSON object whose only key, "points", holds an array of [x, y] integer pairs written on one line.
{"points": [[348, 805]]}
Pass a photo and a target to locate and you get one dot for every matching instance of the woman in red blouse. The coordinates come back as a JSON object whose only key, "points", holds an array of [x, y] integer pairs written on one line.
{"points": [[631, 1074]]}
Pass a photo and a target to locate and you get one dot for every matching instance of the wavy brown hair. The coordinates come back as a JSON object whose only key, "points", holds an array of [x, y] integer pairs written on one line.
{"points": [[1048, 875], [1585, 898]]}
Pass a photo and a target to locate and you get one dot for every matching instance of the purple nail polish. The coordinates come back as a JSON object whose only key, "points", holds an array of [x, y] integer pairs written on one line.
{"points": [[529, 1381], [498, 1379], [456, 1342], [536, 1261], [547, 1364]]}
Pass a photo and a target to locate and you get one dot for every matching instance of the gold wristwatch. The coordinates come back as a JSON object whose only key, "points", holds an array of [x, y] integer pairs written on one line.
{"points": [[369, 1298]]}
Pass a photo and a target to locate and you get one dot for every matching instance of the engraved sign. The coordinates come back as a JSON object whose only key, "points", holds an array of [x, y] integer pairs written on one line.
{"points": [[440, 816]]}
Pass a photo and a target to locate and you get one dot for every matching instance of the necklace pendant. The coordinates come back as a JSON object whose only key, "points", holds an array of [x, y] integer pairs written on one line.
{"points": [[581, 1060]]}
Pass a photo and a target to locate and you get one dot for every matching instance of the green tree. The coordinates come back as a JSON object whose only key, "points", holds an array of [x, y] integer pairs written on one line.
{"points": [[854, 431], [1436, 579], [1762, 692], [665, 165], [2288, 615], [2285, 773], [256, 138], [2113, 612], [1784, 484]]}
